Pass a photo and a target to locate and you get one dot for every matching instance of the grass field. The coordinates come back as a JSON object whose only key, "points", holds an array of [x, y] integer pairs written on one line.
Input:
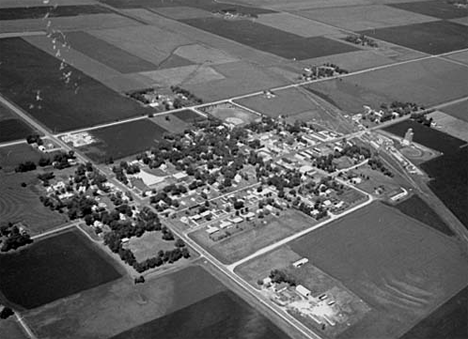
{"points": [[438, 9], [358, 18], [271, 40], [171, 123], [418, 209], [188, 115], [231, 113], [427, 82], [40, 11], [249, 241], [123, 140], [107, 53], [433, 37], [62, 106], [148, 245], [11, 329], [459, 110], [22, 203], [53, 268], [13, 129], [12, 156], [400, 267]]}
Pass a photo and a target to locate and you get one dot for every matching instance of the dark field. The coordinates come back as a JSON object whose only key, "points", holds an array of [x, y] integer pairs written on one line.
{"points": [[39, 12], [122, 140], [449, 172], [208, 5], [449, 321], [25, 69], [400, 267], [437, 9], [51, 269], [13, 129], [271, 40], [459, 111], [223, 315], [12, 156], [417, 208], [107, 53], [188, 115], [434, 37]]}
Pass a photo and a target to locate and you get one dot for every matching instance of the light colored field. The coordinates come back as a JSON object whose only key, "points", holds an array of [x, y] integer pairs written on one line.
{"points": [[427, 82], [251, 240], [359, 18], [287, 102], [229, 111], [400, 267], [35, 3], [291, 5], [295, 24], [11, 329], [182, 12], [91, 67], [147, 42], [74, 23], [202, 54], [459, 110], [148, 245], [460, 57], [462, 21], [451, 125], [186, 75]]}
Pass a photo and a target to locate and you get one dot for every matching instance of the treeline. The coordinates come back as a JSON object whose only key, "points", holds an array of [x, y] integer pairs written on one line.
{"points": [[13, 238], [59, 161]]}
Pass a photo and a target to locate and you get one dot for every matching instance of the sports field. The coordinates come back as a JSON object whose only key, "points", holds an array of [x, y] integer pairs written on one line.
{"points": [[33, 80], [53, 268], [122, 140], [231, 113], [400, 267]]}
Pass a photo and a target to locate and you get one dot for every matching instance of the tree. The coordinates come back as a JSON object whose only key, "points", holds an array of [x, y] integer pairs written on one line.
{"points": [[179, 243], [6, 313]]}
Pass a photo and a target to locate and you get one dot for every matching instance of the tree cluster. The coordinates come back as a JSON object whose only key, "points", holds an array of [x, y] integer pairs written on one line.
{"points": [[13, 238], [280, 276]]}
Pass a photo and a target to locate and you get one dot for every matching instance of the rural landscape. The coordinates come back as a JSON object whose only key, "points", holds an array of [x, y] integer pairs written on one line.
{"points": [[245, 169]]}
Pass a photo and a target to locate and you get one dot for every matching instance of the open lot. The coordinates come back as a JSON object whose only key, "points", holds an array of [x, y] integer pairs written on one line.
{"points": [[433, 37], [450, 124], [122, 140], [400, 267], [148, 245], [438, 9], [53, 268], [22, 203], [427, 82], [231, 113], [40, 11], [240, 245], [63, 104], [107, 53], [12, 156], [358, 18], [459, 110], [11, 329], [271, 40], [171, 123], [146, 309]]}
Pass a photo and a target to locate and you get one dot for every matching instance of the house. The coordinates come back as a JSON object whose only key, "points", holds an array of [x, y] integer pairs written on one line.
{"points": [[211, 230], [300, 262], [281, 287], [237, 220], [225, 224], [303, 291], [180, 176], [125, 241], [249, 216]]}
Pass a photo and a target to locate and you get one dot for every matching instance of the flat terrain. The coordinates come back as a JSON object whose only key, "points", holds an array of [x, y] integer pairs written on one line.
{"points": [[438, 9], [242, 244], [11, 127], [139, 309], [40, 11], [427, 82], [459, 110], [188, 115], [11, 329], [12, 156], [22, 203], [433, 37], [400, 267], [122, 140], [63, 104], [231, 113], [52, 269], [171, 123], [448, 172], [450, 124]]}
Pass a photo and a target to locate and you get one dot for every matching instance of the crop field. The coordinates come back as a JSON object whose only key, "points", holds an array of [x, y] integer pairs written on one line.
{"points": [[202, 54], [62, 105], [107, 54], [418, 209], [271, 40], [433, 37], [123, 140], [242, 244], [459, 110], [187, 75], [11, 127], [112, 309], [358, 18], [182, 12], [40, 11], [53, 268], [450, 124], [438, 9], [22, 203], [427, 82], [400, 267]]}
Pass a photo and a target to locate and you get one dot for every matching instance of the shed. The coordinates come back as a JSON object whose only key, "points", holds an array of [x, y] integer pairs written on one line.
{"points": [[303, 291]]}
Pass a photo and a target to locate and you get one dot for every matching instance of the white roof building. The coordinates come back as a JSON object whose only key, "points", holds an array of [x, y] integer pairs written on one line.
{"points": [[303, 291]]}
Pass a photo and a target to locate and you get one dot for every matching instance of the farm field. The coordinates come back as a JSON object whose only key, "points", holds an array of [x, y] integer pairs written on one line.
{"points": [[188, 115], [12, 156], [123, 140], [418, 209], [22, 203], [435, 37], [451, 125], [459, 110], [40, 11], [448, 172], [171, 123], [11, 127], [438, 9], [53, 268], [427, 82], [242, 244], [122, 306], [358, 18], [63, 106], [11, 329], [400, 267], [271, 40]]}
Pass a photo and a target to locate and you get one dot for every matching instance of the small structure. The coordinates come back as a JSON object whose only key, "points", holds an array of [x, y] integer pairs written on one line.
{"points": [[300, 262], [408, 140], [303, 291]]}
